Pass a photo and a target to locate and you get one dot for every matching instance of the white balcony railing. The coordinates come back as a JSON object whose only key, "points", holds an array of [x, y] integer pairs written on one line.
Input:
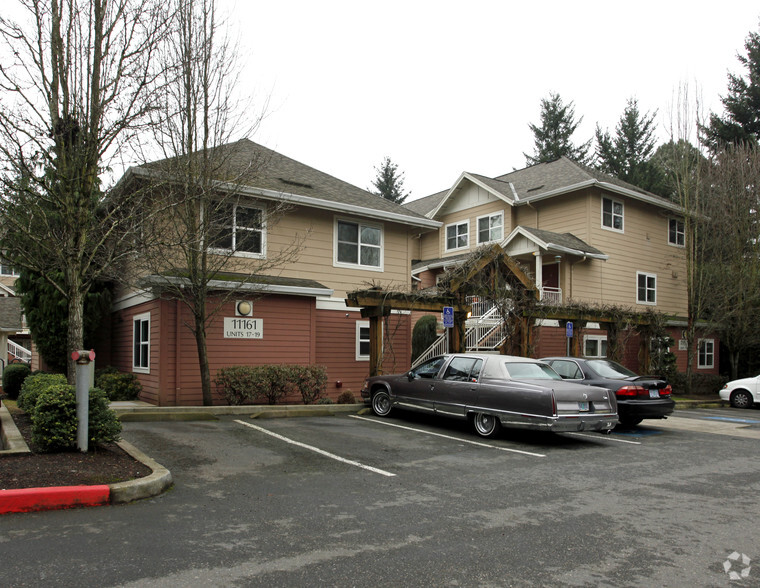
{"points": [[551, 295], [19, 352]]}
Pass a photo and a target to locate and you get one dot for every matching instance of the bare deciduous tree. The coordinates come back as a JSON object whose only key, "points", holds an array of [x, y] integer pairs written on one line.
{"points": [[203, 232], [78, 80]]}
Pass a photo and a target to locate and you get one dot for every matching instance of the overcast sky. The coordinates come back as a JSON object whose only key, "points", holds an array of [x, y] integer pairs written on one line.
{"points": [[445, 87]]}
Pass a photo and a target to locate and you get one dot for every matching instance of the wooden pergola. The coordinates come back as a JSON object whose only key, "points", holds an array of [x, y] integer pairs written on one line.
{"points": [[376, 303]]}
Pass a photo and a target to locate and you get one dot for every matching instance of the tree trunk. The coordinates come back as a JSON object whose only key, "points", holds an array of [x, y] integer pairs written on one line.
{"points": [[200, 341], [75, 337]]}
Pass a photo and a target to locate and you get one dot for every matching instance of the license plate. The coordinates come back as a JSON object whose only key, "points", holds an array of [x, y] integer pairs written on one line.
{"points": [[654, 394], [583, 406]]}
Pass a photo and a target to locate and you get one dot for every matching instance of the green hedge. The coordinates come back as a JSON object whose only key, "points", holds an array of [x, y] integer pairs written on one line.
{"points": [[54, 419], [35, 384], [118, 385], [13, 377], [270, 383]]}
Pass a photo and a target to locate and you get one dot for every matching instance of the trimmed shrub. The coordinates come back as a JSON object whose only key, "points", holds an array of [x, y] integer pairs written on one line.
{"points": [[346, 397], [310, 380], [245, 384], [32, 387], [701, 384], [325, 400], [119, 386], [13, 377], [423, 335], [54, 419]]}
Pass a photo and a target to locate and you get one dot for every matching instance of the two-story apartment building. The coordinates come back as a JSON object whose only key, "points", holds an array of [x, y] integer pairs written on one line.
{"points": [[585, 237], [296, 314]]}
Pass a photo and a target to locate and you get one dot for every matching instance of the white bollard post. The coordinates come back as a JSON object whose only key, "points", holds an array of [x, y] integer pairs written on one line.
{"points": [[83, 374]]}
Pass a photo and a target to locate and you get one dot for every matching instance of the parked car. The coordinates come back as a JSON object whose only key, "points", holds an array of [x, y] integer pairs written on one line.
{"points": [[494, 391], [744, 393], [638, 397]]}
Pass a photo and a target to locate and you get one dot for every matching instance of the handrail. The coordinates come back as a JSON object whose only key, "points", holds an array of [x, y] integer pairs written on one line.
{"points": [[19, 352], [439, 347]]}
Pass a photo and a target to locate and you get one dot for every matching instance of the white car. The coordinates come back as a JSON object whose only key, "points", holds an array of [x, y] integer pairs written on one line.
{"points": [[742, 393]]}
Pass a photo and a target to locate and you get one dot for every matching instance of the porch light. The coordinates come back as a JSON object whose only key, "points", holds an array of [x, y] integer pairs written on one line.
{"points": [[243, 308]]}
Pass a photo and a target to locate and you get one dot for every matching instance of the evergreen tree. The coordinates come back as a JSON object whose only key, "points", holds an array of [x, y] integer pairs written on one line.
{"points": [[741, 122], [628, 155], [678, 162], [389, 183], [552, 137]]}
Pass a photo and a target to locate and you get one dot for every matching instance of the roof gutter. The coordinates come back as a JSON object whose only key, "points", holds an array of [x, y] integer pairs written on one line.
{"points": [[571, 251], [232, 285]]}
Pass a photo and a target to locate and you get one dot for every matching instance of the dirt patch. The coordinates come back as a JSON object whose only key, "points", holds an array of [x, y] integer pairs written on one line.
{"points": [[106, 464]]}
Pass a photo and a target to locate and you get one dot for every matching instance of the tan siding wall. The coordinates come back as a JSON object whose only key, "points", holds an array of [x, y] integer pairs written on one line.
{"points": [[471, 215], [430, 245]]}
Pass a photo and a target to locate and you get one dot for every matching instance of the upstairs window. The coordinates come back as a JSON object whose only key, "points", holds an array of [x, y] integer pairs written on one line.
{"points": [[8, 270], [612, 214], [490, 228], [359, 244], [676, 232], [457, 236], [239, 229], [646, 288]]}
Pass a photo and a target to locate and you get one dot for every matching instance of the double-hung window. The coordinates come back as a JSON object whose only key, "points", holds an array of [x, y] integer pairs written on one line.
{"points": [[8, 270], [358, 244], [362, 340], [646, 288], [239, 229], [141, 343], [612, 214], [676, 232], [490, 228], [706, 353], [457, 236]]}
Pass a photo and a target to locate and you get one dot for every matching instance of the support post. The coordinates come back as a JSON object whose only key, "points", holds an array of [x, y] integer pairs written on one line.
{"points": [[82, 359]]}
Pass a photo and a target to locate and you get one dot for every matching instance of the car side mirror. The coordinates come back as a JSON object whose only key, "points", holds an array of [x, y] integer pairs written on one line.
{"points": [[410, 375]]}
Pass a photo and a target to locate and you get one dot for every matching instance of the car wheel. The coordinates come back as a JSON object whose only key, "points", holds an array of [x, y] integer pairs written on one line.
{"points": [[741, 399], [381, 403], [486, 425], [627, 423]]}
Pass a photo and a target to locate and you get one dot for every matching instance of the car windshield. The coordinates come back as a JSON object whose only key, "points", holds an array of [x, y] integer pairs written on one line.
{"points": [[610, 369], [531, 371]]}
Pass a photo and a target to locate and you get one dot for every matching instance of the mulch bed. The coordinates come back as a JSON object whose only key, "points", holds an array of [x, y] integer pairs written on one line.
{"points": [[106, 464]]}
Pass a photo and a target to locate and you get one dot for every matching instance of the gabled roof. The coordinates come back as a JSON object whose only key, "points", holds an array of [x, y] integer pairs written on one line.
{"points": [[252, 169], [543, 180], [559, 242]]}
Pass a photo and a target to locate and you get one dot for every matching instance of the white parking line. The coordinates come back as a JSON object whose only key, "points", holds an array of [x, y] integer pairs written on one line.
{"points": [[447, 436], [604, 438], [317, 450]]}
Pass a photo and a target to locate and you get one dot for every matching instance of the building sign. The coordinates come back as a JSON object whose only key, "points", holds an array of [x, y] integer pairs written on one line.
{"points": [[569, 329], [243, 328]]}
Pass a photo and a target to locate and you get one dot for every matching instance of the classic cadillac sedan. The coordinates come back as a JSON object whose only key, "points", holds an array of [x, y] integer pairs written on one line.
{"points": [[494, 391]]}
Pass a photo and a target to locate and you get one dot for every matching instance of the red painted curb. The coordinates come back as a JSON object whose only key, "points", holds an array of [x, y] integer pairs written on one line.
{"points": [[32, 499]]}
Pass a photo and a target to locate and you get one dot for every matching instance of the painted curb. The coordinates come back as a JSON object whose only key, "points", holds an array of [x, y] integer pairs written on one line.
{"points": [[53, 498], [152, 485]]}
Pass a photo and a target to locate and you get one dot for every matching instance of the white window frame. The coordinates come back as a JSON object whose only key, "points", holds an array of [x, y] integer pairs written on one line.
{"points": [[136, 367], [598, 339], [234, 227], [359, 326], [710, 355], [681, 233], [621, 215], [466, 234], [359, 245], [646, 275], [490, 228], [7, 269]]}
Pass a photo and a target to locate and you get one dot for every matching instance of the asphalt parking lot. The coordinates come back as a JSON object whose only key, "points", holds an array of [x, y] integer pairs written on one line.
{"points": [[359, 501]]}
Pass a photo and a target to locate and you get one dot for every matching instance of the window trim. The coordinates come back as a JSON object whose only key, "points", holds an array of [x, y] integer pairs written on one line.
{"points": [[358, 264], [141, 318], [489, 216], [263, 231], [359, 326], [598, 339], [622, 215], [682, 233], [647, 275], [446, 236], [711, 354]]}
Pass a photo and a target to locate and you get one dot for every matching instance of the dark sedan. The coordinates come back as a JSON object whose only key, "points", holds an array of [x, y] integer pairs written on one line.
{"points": [[638, 397], [494, 391]]}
